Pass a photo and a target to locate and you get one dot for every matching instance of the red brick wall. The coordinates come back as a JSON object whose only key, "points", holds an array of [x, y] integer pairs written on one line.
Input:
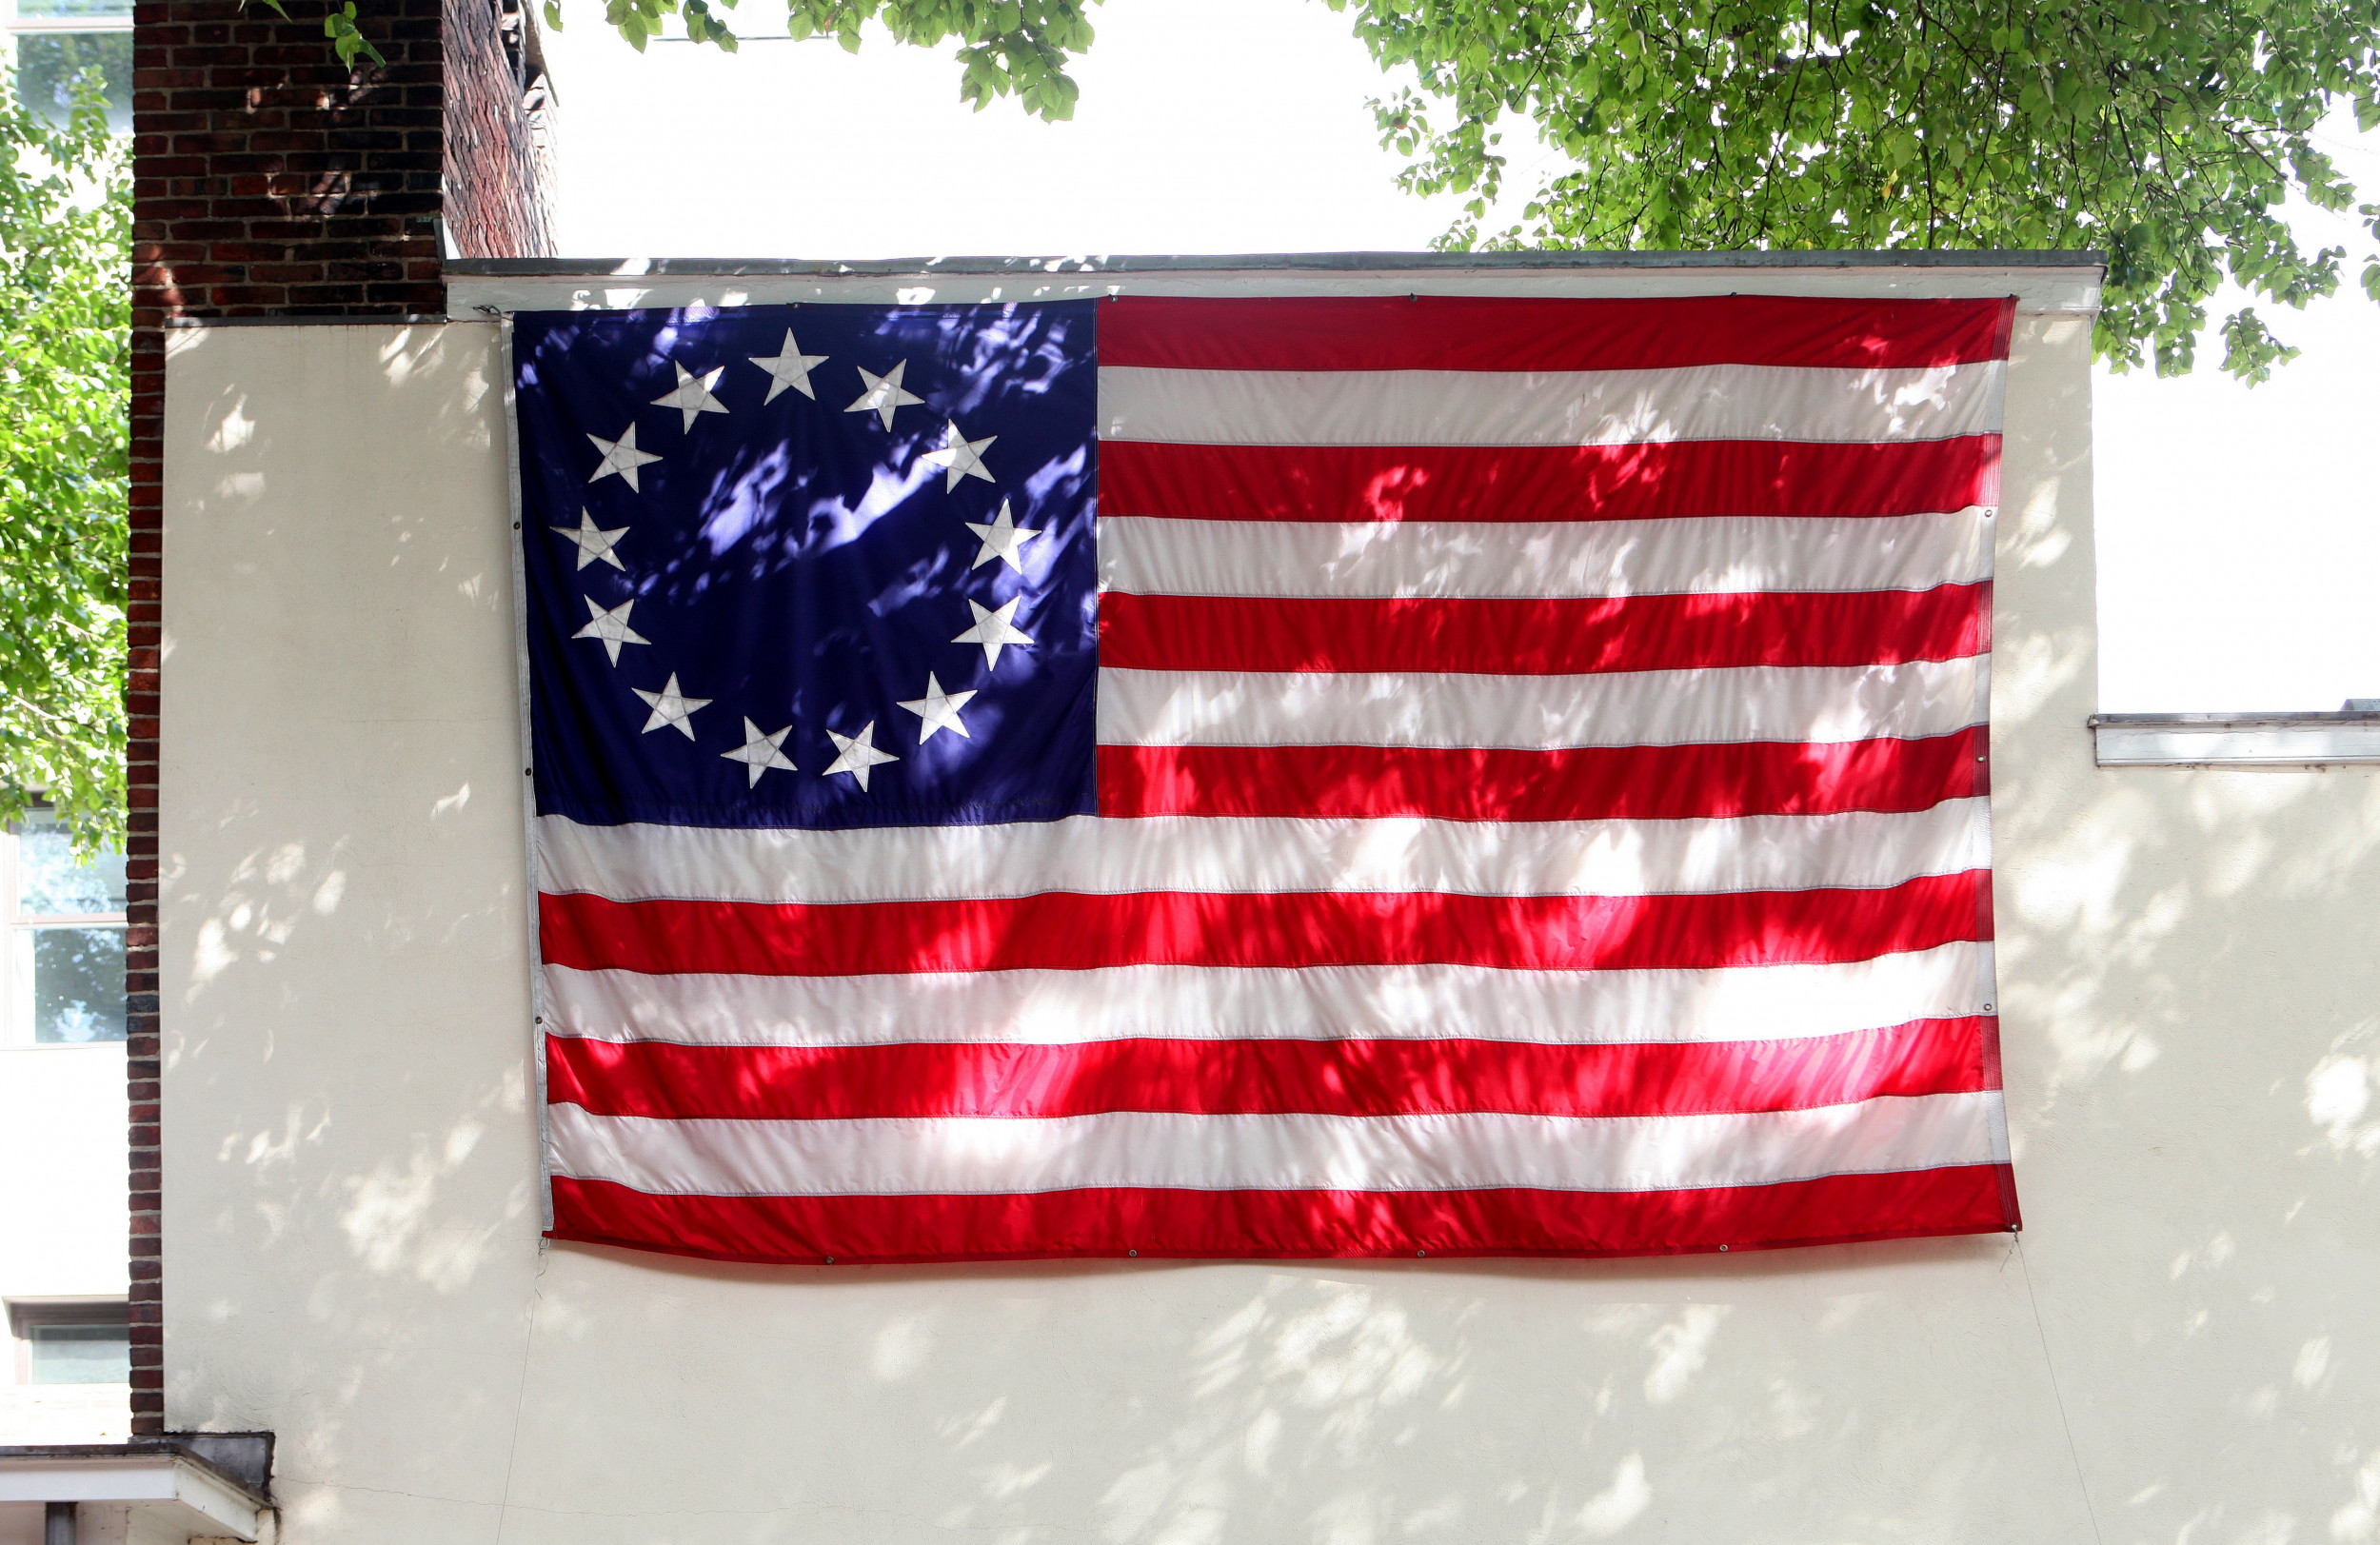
{"points": [[269, 181]]}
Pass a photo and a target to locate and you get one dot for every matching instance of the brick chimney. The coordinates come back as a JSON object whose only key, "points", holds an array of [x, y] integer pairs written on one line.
{"points": [[269, 181]]}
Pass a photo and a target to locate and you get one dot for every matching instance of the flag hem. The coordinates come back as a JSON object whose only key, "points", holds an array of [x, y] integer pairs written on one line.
{"points": [[2004, 1181], [517, 539]]}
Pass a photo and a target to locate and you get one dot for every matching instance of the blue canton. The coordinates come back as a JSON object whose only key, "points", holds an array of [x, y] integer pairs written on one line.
{"points": [[810, 566]]}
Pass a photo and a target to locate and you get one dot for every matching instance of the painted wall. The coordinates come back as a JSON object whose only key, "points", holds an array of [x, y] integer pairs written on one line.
{"points": [[63, 1223], [2183, 1348]]}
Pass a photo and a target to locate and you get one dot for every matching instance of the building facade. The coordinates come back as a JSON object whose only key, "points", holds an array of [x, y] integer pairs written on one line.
{"points": [[348, 1126], [335, 1208], [269, 181], [61, 1107]]}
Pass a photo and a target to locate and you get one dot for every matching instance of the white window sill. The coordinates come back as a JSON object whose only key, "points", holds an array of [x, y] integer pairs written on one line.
{"points": [[2243, 740]]}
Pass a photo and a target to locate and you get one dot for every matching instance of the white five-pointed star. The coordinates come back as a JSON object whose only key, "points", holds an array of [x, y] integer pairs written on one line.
{"points": [[789, 366], [857, 753], [994, 630], [611, 626], [692, 395], [594, 543], [962, 456], [885, 393], [1001, 540], [761, 752], [672, 708], [939, 709], [621, 456]]}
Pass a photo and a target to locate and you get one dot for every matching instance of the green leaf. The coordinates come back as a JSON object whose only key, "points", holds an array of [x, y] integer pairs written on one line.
{"points": [[65, 333]]}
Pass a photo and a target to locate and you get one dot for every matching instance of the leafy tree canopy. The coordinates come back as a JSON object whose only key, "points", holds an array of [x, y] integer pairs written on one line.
{"points": [[2167, 133], [65, 201], [1006, 48], [2164, 133]]}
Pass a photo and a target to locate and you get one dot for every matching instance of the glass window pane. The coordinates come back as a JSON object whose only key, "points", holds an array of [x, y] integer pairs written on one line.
{"points": [[46, 64], [78, 985], [50, 884], [79, 1354]]}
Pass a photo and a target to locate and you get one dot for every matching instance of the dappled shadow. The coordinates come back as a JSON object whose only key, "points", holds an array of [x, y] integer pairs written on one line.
{"points": [[349, 1170], [2179, 991], [803, 558], [351, 1129]]}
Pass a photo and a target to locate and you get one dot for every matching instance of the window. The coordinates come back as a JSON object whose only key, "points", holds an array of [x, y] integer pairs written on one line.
{"points": [[62, 976], [50, 41], [71, 1342]]}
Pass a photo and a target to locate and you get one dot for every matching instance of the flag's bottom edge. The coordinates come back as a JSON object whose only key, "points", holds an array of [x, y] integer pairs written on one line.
{"points": [[1293, 1225]]}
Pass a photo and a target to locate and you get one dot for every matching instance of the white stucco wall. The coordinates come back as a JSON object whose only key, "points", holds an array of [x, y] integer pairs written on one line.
{"points": [[2182, 1349], [64, 1215]]}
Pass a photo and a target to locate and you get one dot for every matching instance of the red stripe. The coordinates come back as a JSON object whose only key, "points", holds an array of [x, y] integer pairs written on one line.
{"points": [[1066, 931], [1539, 636], [1636, 782], [1326, 1078], [1556, 482], [1967, 1198], [1461, 333]]}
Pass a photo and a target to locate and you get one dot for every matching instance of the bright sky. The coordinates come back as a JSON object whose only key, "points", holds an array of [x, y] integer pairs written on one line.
{"points": [[2239, 529]]}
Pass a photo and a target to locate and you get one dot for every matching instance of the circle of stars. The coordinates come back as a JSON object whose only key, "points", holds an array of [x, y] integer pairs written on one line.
{"points": [[958, 458]]}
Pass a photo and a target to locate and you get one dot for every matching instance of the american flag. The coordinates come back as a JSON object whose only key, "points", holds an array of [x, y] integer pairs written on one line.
{"points": [[1390, 776]]}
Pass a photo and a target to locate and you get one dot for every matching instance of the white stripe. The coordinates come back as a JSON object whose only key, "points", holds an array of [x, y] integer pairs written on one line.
{"points": [[1260, 856], [981, 1156], [1714, 555], [1549, 408], [1349, 1003], [1820, 703]]}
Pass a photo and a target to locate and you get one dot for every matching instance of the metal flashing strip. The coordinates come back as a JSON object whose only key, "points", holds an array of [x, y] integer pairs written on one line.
{"points": [[2045, 284], [2240, 740], [1167, 263], [321, 319]]}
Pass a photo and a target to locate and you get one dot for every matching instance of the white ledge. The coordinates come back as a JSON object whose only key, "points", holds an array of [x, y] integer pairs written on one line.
{"points": [[2045, 284], [2242, 740], [177, 1495]]}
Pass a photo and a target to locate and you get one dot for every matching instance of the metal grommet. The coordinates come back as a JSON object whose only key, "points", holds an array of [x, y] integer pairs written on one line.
{"points": [[1132, 1252], [830, 1261], [1420, 1253], [1722, 1249]]}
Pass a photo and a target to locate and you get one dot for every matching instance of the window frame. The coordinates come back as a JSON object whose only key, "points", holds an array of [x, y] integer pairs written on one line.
{"points": [[14, 26], [17, 1031], [26, 1313]]}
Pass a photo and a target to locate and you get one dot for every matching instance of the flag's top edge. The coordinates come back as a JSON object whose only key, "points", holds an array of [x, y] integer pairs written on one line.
{"points": [[2043, 283], [1232, 262]]}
